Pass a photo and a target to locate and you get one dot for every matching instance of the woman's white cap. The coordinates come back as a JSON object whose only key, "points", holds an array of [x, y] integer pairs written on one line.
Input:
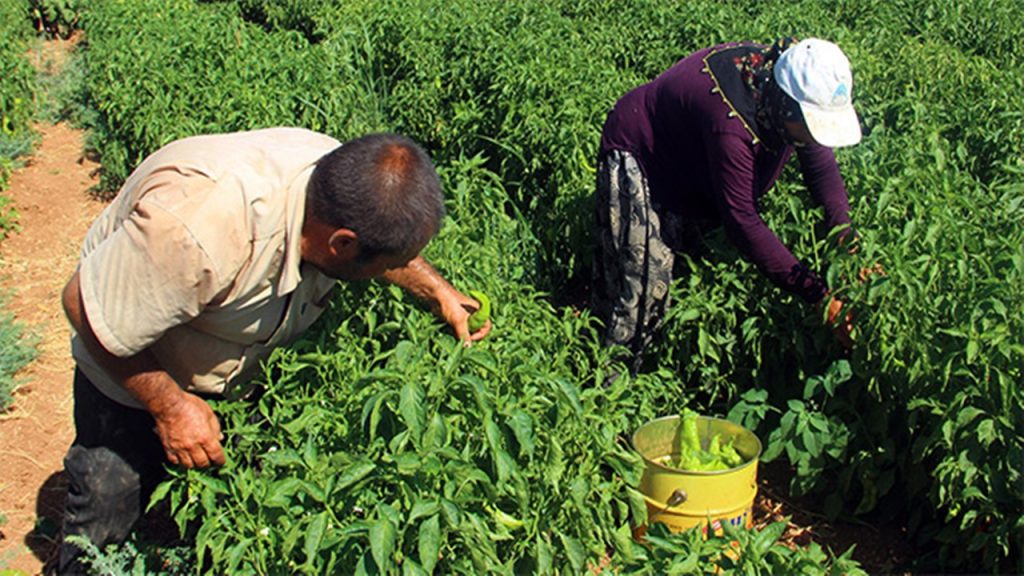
{"points": [[817, 75]]}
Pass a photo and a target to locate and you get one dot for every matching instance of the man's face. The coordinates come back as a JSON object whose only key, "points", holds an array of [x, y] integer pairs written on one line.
{"points": [[359, 269]]}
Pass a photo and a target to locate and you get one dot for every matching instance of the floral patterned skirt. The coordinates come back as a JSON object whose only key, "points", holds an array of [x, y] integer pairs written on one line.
{"points": [[632, 265]]}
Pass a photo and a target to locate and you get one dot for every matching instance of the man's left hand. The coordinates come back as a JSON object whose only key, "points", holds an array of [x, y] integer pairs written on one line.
{"points": [[421, 280], [455, 308]]}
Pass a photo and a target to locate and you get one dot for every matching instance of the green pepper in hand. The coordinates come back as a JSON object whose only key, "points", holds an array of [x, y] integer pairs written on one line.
{"points": [[482, 314]]}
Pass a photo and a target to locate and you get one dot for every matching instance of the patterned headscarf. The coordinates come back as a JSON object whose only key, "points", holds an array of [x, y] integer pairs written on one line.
{"points": [[774, 107]]}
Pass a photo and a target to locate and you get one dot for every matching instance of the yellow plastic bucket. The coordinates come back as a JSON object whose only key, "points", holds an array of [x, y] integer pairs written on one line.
{"points": [[682, 499]]}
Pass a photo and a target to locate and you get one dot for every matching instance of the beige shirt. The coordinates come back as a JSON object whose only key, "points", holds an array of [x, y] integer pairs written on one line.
{"points": [[198, 259]]}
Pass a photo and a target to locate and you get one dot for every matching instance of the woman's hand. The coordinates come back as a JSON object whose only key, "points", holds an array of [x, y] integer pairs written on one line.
{"points": [[840, 322], [865, 274]]}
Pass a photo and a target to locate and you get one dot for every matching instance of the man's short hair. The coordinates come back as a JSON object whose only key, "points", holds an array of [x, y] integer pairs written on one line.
{"points": [[384, 188]]}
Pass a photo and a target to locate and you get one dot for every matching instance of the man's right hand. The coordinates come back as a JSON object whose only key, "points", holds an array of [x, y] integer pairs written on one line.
{"points": [[187, 426], [190, 432]]}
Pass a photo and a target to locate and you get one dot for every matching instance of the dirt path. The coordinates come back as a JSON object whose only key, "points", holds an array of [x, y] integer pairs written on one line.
{"points": [[51, 194]]}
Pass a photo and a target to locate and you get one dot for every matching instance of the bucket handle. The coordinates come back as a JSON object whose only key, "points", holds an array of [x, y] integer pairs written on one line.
{"points": [[678, 497]]}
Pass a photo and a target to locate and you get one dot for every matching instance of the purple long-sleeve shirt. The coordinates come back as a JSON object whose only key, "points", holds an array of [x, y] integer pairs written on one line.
{"points": [[702, 161]]}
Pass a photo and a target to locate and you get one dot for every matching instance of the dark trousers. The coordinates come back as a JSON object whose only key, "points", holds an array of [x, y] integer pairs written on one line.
{"points": [[113, 466]]}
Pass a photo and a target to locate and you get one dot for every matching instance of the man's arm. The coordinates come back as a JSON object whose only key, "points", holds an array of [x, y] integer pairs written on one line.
{"points": [[187, 427], [421, 280]]}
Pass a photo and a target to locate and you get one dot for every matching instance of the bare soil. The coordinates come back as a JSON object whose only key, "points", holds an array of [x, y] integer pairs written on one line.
{"points": [[880, 548], [52, 194]]}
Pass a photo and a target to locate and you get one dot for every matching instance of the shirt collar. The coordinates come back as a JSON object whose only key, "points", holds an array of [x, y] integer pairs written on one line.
{"points": [[722, 65], [295, 212]]}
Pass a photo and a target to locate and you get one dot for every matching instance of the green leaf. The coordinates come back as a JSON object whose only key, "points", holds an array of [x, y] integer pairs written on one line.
{"points": [[382, 543], [767, 537], [703, 342], [236, 554], [687, 566], [556, 464], [573, 550], [436, 434], [986, 432], [296, 531], [208, 498], [429, 542], [411, 568], [281, 492], [570, 393], [521, 424], [869, 498], [624, 544], [774, 447], [493, 434], [505, 466], [282, 458], [213, 484], [966, 415], [971, 493], [627, 464], [972, 351], [480, 393], [311, 452], [637, 506], [811, 443], [688, 315], [159, 493], [354, 473], [838, 373], [811, 386], [410, 405], [315, 491], [451, 513], [203, 540], [818, 422], [372, 413], [408, 463], [543, 555], [314, 536], [423, 508]]}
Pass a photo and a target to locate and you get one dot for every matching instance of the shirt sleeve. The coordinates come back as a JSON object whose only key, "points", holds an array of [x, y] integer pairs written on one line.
{"points": [[148, 276], [731, 163], [822, 178]]}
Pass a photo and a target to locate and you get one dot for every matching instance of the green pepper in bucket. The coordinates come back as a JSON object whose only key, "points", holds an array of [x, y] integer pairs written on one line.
{"points": [[682, 487], [691, 456]]}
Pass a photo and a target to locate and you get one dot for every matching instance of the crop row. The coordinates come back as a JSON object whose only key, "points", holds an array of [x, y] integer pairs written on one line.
{"points": [[509, 98]]}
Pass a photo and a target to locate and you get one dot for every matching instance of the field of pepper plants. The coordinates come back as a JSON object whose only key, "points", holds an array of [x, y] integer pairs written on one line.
{"points": [[381, 445]]}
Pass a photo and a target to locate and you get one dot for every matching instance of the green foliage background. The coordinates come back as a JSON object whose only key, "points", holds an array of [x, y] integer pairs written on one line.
{"points": [[921, 420], [17, 87]]}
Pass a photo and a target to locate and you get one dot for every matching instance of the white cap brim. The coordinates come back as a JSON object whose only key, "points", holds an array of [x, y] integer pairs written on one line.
{"points": [[832, 128]]}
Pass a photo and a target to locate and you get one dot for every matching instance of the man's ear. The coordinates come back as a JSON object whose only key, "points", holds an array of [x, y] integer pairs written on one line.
{"points": [[344, 245]]}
